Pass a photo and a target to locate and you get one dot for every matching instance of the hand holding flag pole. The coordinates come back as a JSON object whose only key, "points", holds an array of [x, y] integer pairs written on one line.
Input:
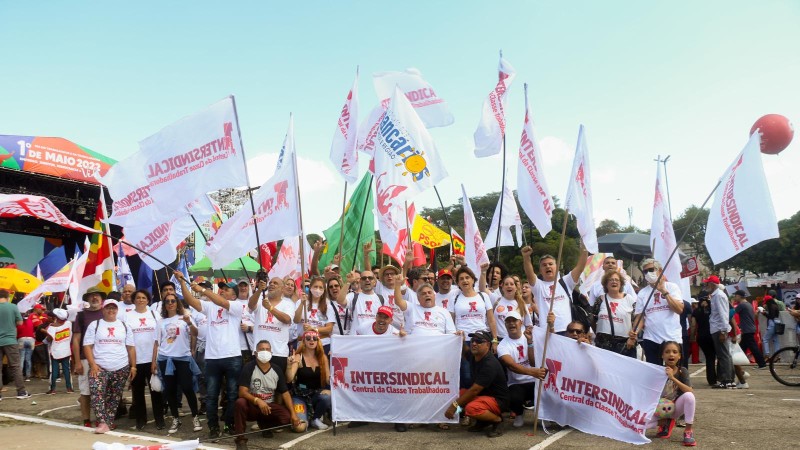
{"points": [[202, 233]]}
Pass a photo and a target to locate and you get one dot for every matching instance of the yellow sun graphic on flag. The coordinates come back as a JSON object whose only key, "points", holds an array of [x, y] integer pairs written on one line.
{"points": [[416, 165]]}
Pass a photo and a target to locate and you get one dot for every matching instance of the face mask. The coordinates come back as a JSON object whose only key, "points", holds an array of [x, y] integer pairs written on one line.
{"points": [[651, 277], [316, 292], [264, 356]]}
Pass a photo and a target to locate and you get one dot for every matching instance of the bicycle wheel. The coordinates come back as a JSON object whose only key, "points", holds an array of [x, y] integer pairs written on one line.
{"points": [[784, 366]]}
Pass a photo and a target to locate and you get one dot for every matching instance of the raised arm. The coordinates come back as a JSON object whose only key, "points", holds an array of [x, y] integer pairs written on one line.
{"points": [[527, 265], [317, 246], [191, 300], [398, 295], [578, 270], [367, 253], [482, 279], [261, 288]]}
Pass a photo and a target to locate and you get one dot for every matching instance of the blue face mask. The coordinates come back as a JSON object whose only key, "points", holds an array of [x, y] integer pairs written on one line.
{"points": [[305, 289]]}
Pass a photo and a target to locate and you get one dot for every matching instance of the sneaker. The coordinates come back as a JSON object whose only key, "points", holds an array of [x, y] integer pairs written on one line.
{"points": [[479, 426], [746, 375], [317, 423], [213, 433], [102, 429], [70, 391], [518, 422], [196, 424], [51, 392], [688, 439], [176, 423], [762, 367], [496, 429], [529, 404], [665, 431], [23, 394], [137, 428], [742, 386], [465, 421], [731, 385], [28, 380], [719, 385], [160, 425]]}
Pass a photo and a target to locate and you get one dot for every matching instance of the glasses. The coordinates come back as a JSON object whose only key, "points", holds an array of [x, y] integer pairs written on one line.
{"points": [[367, 278], [479, 341], [333, 286], [648, 270], [171, 301], [311, 338], [575, 331]]}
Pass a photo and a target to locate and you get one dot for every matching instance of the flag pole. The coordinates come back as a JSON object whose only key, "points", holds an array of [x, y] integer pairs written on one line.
{"points": [[502, 191], [341, 221], [408, 228], [549, 331], [247, 177], [361, 224], [299, 211], [446, 219], [205, 239]]}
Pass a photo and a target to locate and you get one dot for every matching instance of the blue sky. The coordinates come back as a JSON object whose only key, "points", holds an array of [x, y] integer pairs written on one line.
{"points": [[681, 78]]}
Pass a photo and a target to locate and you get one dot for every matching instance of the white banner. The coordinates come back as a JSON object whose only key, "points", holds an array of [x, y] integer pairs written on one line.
{"points": [[384, 379], [474, 249], [287, 149], [742, 214], [343, 147], [195, 155], [534, 195], [432, 109], [597, 391], [492, 126], [58, 282], [18, 205], [509, 218], [161, 240], [288, 262], [579, 194], [662, 239]]}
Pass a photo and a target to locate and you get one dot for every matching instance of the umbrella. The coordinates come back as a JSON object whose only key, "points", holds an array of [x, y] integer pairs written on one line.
{"points": [[18, 281], [634, 246], [232, 270]]}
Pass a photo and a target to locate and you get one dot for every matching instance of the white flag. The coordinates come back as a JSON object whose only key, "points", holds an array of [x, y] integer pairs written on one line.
{"points": [[742, 214], [475, 251], [124, 274], [195, 155], [492, 126], [76, 274], [510, 217], [160, 240], [276, 216], [579, 194], [58, 282], [288, 263], [662, 239], [287, 149], [534, 196], [343, 148]]}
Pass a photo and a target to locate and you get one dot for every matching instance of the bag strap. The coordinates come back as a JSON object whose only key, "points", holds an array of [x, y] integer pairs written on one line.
{"points": [[564, 285], [336, 314], [610, 316], [380, 297]]}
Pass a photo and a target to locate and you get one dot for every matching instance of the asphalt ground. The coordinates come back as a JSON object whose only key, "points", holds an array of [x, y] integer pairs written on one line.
{"points": [[765, 416]]}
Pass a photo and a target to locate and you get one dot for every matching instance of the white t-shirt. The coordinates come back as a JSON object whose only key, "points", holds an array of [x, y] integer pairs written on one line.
{"points": [[123, 310], [246, 341], [270, 328], [365, 308], [388, 297], [621, 310], [61, 336], [144, 327], [444, 300], [470, 312], [598, 291], [428, 321], [174, 337], [661, 324], [517, 349], [562, 306], [501, 310], [110, 343], [365, 329], [315, 318], [222, 339], [345, 315]]}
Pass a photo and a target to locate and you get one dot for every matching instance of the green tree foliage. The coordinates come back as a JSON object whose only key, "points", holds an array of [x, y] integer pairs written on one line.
{"points": [[774, 255], [695, 237]]}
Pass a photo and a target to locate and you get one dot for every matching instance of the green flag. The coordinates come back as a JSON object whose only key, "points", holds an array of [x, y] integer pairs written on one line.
{"points": [[354, 211]]}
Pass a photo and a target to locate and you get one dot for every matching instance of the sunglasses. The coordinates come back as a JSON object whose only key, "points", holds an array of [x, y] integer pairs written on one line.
{"points": [[652, 269], [336, 286], [575, 331], [479, 341], [311, 338], [169, 302], [367, 278], [426, 278]]}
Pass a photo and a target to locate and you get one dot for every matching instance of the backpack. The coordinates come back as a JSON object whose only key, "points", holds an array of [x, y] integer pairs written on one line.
{"points": [[581, 310]]}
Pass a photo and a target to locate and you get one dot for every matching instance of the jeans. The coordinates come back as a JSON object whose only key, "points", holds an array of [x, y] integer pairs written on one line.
{"points": [[25, 353], [748, 342], [63, 363], [707, 346], [182, 379], [724, 361], [318, 399], [770, 336], [216, 370], [14, 367], [465, 372], [200, 359]]}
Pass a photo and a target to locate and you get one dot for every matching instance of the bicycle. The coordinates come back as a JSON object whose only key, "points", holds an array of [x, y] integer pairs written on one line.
{"points": [[784, 366]]}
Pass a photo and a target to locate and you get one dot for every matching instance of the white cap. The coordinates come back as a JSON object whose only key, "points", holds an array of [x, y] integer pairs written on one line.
{"points": [[62, 314]]}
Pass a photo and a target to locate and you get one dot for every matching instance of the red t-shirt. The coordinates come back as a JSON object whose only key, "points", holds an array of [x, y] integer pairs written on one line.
{"points": [[26, 329]]}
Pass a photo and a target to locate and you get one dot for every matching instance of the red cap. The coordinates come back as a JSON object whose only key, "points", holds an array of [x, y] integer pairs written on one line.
{"points": [[38, 306], [444, 273], [712, 279], [767, 298], [387, 311]]}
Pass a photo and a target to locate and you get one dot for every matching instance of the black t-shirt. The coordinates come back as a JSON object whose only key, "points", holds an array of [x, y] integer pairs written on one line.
{"points": [[82, 321], [747, 318], [701, 315], [308, 378], [488, 373], [263, 385]]}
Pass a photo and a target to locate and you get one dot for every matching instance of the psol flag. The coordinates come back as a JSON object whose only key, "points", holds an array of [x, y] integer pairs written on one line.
{"points": [[492, 126], [503, 221], [474, 251], [276, 216], [579, 194], [197, 154], [534, 196], [742, 214], [428, 234], [343, 147]]}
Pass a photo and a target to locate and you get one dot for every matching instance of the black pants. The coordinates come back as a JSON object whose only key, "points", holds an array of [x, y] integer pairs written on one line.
{"points": [[139, 406], [748, 342], [707, 346], [519, 394], [685, 355], [182, 377]]}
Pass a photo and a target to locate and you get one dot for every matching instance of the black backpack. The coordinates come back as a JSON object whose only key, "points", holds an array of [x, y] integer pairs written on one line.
{"points": [[581, 310]]}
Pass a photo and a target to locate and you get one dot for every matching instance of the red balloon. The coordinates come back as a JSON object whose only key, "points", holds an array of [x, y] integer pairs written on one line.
{"points": [[776, 133]]}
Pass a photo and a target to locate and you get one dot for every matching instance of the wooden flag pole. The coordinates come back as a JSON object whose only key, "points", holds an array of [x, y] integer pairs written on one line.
{"points": [[446, 219], [299, 212], [341, 221]]}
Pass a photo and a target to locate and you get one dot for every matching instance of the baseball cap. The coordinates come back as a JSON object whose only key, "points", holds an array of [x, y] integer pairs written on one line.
{"points": [[387, 311], [712, 279], [38, 306], [389, 267], [444, 273], [513, 315], [62, 314], [110, 302], [740, 293], [486, 335], [767, 298], [243, 281], [94, 290], [231, 284], [334, 266]]}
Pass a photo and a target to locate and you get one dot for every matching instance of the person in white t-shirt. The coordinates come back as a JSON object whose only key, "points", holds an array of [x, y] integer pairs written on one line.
{"points": [[530, 302], [364, 305], [273, 316], [314, 314], [662, 305], [382, 325], [340, 315], [447, 292], [516, 354], [223, 357], [551, 287], [59, 334], [613, 325], [424, 317], [125, 302], [597, 290], [109, 349], [388, 277], [144, 325], [510, 301]]}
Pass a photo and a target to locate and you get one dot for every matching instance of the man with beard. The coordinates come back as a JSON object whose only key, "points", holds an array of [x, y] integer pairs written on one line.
{"points": [[273, 318]]}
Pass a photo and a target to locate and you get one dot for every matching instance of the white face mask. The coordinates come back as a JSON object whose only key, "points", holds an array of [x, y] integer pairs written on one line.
{"points": [[651, 277], [317, 292], [264, 356]]}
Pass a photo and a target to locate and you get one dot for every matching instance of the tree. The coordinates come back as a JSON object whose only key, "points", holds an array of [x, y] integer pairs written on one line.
{"points": [[608, 226], [695, 237], [774, 255]]}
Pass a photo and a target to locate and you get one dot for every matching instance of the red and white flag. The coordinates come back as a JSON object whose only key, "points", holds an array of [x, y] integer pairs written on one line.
{"points": [[18, 205], [662, 238], [288, 262], [394, 232], [58, 282], [276, 216], [160, 240], [534, 195], [475, 250], [492, 126], [742, 214], [343, 148], [195, 155], [509, 218], [579, 194]]}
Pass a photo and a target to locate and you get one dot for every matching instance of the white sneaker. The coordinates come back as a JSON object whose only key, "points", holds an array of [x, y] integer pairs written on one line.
{"points": [[746, 375], [317, 423], [196, 423], [518, 421], [742, 386], [176, 423]]}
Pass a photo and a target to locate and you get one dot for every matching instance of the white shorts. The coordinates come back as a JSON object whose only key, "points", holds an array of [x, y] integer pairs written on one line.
{"points": [[83, 380]]}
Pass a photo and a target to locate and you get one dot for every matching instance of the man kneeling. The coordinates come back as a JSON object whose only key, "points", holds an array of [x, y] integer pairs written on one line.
{"points": [[259, 385]]}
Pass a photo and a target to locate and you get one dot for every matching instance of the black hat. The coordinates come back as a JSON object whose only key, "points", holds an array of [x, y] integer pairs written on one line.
{"points": [[486, 335], [740, 293]]}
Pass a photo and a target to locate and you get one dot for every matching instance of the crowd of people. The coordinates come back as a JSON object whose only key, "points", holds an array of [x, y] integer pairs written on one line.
{"points": [[259, 348]]}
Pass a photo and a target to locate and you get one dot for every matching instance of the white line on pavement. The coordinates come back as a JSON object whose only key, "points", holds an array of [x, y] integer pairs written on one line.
{"points": [[791, 399], [697, 372], [55, 409], [303, 438], [550, 440]]}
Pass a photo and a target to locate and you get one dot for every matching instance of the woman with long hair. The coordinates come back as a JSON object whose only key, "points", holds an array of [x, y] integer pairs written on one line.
{"points": [[614, 311], [510, 300], [307, 370], [312, 314], [144, 324], [530, 302]]}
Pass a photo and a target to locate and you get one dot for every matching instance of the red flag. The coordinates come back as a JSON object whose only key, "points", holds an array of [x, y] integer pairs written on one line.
{"points": [[17, 205], [267, 250]]}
